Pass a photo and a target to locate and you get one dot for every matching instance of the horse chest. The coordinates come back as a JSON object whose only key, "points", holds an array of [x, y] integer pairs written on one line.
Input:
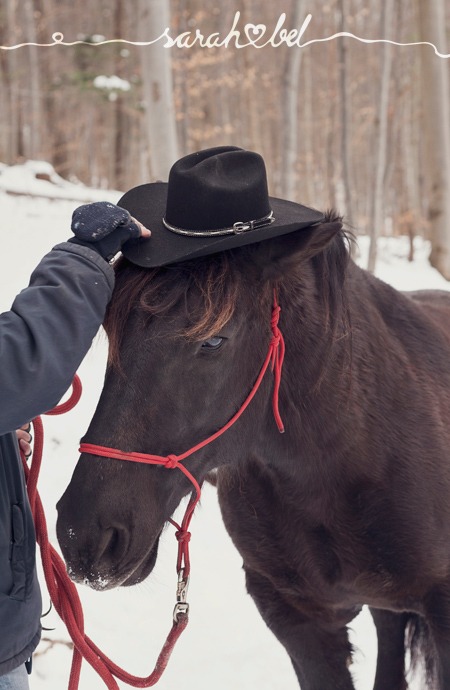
{"points": [[340, 563]]}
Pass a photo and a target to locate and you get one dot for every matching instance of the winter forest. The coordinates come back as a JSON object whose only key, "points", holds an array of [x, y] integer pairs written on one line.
{"points": [[362, 127]]}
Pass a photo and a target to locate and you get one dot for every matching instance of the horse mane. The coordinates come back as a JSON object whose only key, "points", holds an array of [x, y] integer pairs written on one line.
{"points": [[330, 268], [217, 280]]}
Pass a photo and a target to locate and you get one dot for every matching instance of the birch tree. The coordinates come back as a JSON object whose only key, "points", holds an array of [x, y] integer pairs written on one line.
{"points": [[381, 135], [154, 18], [436, 111]]}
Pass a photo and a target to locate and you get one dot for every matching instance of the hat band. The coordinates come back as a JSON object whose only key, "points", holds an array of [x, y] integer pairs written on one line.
{"points": [[236, 229]]}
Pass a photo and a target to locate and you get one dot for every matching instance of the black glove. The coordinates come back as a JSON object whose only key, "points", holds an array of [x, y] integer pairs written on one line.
{"points": [[104, 227]]}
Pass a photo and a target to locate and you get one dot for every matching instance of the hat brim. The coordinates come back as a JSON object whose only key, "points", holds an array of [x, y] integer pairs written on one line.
{"points": [[147, 203]]}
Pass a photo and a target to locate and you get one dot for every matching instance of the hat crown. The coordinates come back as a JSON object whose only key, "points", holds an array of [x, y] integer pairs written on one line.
{"points": [[216, 188]]}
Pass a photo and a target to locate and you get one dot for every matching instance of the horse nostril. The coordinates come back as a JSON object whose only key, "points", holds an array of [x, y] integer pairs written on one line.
{"points": [[115, 546], [114, 542]]}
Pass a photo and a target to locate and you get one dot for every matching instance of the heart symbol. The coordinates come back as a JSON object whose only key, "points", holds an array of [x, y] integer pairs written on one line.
{"points": [[257, 30]]}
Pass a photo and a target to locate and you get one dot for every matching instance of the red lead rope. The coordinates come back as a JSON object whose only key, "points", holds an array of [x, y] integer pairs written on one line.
{"points": [[62, 590]]}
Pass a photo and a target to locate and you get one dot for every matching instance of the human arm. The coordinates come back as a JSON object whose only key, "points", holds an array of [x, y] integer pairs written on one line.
{"points": [[50, 327]]}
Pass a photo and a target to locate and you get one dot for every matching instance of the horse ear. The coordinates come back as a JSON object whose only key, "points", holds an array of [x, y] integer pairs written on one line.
{"points": [[277, 257]]}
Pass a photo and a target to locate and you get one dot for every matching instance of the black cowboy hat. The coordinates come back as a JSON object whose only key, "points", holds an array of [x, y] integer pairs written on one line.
{"points": [[215, 199]]}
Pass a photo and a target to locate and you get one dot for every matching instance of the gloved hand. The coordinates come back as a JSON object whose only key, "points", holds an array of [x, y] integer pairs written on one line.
{"points": [[105, 227]]}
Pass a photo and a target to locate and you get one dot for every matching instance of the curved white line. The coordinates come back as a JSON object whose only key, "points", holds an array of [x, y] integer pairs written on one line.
{"points": [[58, 39]]}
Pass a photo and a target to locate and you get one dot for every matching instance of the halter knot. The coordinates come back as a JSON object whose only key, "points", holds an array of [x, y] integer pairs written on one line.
{"points": [[275, 340], [277, 356], [276, 337], [171, 462], [274, 320], [183, 536]]}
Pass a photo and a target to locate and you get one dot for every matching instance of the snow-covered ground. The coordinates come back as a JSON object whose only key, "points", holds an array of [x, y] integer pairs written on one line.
{"points": [[39, 179], [227, 645]]}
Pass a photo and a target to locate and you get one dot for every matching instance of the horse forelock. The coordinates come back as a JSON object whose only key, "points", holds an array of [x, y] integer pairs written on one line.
{"points": [[217, 285], [220, 282]]}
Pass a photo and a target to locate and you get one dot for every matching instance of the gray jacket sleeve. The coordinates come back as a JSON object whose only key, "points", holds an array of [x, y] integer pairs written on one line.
{"points": [[49, 329]]}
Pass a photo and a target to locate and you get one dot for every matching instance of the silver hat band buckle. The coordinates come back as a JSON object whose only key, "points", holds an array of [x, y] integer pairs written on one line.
{"points": [[236, 229]]}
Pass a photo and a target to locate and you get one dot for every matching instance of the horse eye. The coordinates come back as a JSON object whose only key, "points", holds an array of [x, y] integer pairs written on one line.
{"points": [[213, 343]]}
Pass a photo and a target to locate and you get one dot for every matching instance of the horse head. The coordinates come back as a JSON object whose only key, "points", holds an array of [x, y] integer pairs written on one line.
{"points": [[186, 345]]}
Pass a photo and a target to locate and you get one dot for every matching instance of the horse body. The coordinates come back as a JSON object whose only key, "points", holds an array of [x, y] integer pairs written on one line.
{"points": [[358, 511], [348, 507]]}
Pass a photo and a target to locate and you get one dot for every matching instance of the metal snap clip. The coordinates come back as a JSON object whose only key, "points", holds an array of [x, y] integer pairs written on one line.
{"points": [[182, 588]]}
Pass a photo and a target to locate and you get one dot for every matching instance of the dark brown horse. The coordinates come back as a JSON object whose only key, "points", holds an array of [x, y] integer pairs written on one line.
{"points": [[350, 506]]}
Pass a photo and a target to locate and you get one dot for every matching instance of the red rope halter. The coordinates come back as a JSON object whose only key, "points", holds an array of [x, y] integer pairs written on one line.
{"points": [[62, 590]]}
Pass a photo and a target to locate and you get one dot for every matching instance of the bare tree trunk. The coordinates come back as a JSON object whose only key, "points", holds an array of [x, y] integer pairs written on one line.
{"points": [[330, 154], [154, 18], [409, 160], [14, 98], [437, 129], [182, 57], [308, 131], [290, 108], [345, 116], [381, 125], [120, 124], [4, 98], [249, 97], [394, 124], [35, 107], [57, 135]]}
